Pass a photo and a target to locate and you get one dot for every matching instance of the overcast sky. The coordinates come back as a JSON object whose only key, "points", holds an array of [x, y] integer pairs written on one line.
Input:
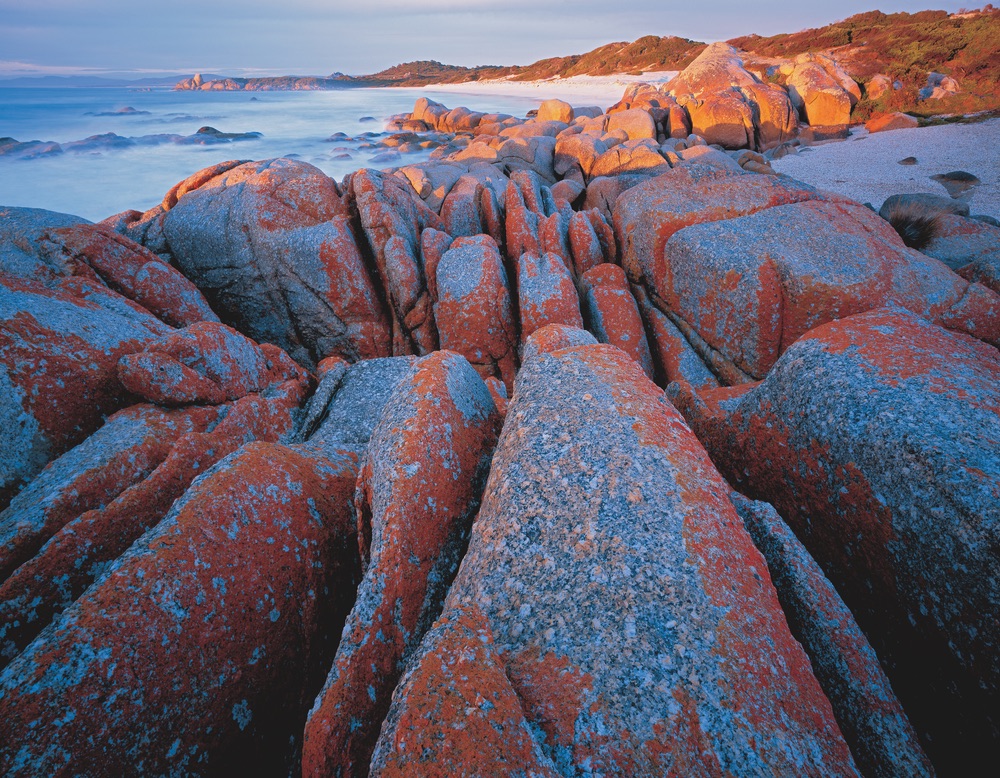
{"points": [[317, 37]]}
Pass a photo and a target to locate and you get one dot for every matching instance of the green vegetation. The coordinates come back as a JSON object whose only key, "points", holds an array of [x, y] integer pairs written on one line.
{"points": [[906, 47]]}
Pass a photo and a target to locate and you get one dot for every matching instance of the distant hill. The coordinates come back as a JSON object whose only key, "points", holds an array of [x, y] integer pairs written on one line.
{"points": [[646, 54], [903, 46]]}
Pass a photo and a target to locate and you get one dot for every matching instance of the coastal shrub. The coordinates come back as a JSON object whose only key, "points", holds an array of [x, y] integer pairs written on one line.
{"points": [[916, 223]]}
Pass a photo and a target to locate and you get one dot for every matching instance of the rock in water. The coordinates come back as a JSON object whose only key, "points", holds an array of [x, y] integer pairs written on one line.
{"points": [[200, 648], [877, 438], [417, 493], [633, 616], [270, 245]]}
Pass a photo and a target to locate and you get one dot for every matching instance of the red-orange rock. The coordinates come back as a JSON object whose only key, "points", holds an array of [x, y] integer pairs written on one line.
{"points": [[121, 482], [673, 356], [130, 445], [553, 236], [433, 245], [295, 248], [204, 363], [875, 437], [632, 615], [59, 349], [636, 123], [578, 152], [585, 246], [417, 493], [232, 604], [611, 313], [473, 311], [460, 210], [393, 218], [461, 678], [632, 156], [649, 214], [728, 105], [546, 294], [818, 96], [553, 337], [891, 121], [752, 286], [521, 224], [133, 271], [555, 110]]}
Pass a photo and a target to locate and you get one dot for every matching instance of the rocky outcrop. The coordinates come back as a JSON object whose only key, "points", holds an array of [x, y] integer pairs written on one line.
{"points": [[881, 737], [546, 294], [748, 287], [611, 313], [278, 231], [730, 106], [473, 309], [235, 598], [576, 566], [174, 584], [821, 91], [898, 512], [417, 492], [392, 220], [59, 352]]}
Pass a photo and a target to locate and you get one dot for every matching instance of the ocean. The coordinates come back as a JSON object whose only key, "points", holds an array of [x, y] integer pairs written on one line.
{"points": [[96, 181]]}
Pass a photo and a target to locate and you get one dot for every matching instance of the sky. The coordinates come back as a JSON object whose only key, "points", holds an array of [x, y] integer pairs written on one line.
{"points": [[318, 37]]}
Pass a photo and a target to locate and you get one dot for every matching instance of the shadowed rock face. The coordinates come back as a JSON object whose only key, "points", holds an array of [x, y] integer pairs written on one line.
{"points": [[877, 438], [417, 492], [881, 737], [270, 245], [234, 597], [580, 566]]}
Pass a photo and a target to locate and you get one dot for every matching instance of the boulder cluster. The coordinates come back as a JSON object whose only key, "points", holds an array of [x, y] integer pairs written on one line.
{"points": [[587, 447]]}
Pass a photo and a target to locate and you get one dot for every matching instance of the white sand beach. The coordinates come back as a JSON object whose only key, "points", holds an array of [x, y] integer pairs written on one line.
{"points": [[576, 90], [866, 167]]}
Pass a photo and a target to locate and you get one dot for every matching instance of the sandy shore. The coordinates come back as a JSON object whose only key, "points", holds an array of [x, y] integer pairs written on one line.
{"points": [[866, 167], [604, 91]]}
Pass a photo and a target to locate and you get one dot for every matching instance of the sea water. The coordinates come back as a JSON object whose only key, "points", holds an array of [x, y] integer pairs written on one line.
{"points": [[97, 184]]}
